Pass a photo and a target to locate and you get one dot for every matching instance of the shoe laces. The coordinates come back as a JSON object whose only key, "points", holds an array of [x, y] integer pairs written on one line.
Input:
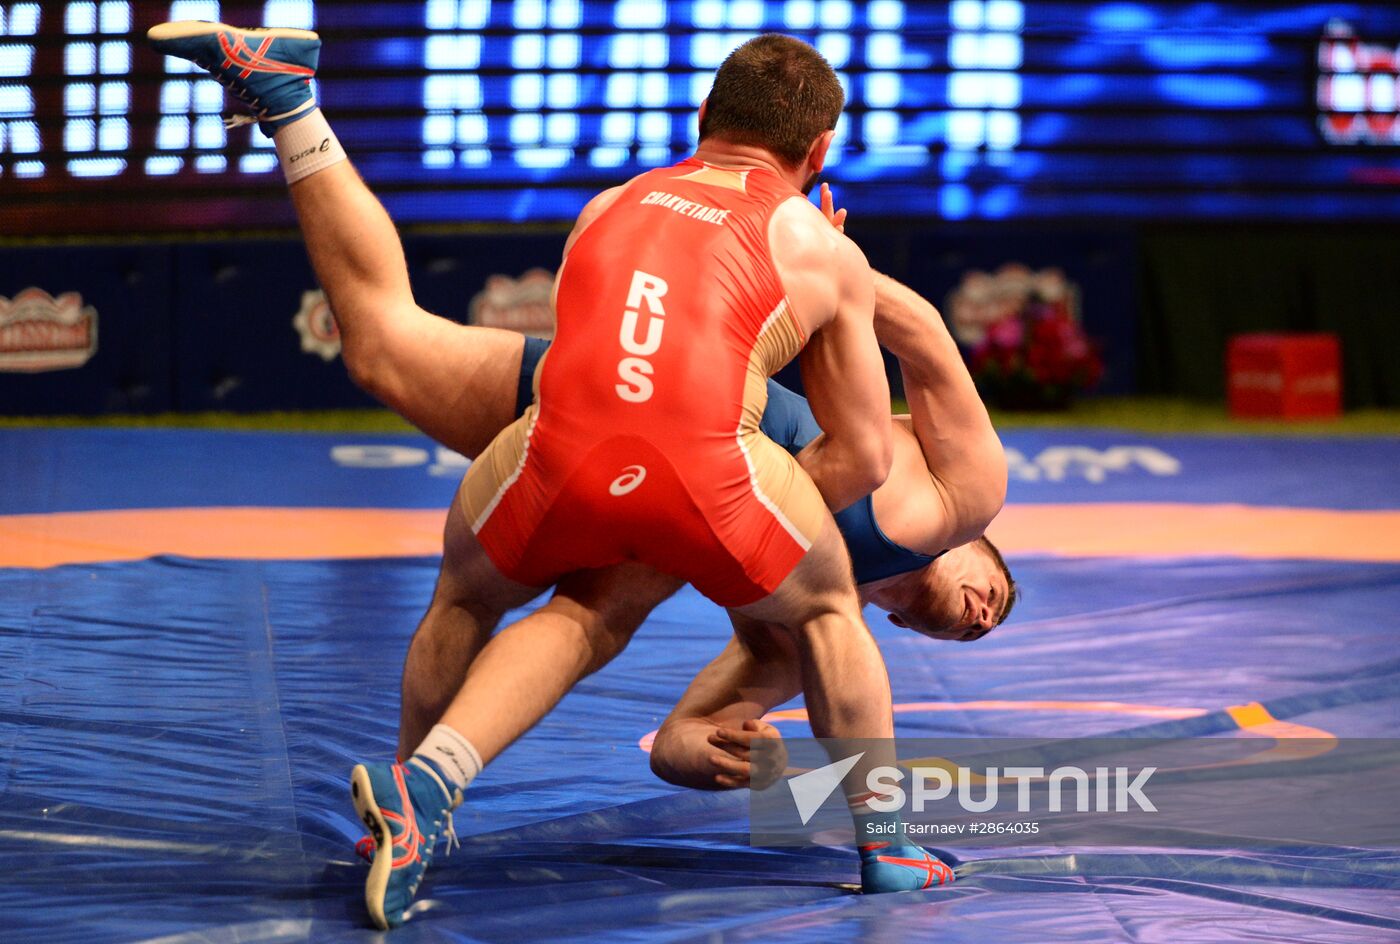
{"points": [[237, 91], [366, 846], [450, 835]]}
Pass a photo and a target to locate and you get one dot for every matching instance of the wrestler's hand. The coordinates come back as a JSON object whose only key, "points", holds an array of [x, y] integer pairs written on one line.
{"points": [[734, 759], [835, 217]]}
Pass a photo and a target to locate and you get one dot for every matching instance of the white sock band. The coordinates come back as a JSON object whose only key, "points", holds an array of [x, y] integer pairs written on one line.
{"points": [[306, 146], [453, 754]]}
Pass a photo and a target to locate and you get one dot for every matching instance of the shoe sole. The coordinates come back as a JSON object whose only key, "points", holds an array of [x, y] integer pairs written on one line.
{"points": [[183, 29], [381, 866]]}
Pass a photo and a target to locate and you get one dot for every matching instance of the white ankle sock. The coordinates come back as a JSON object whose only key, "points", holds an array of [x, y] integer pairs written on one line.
{"points": [[453, 755], [306, 146]]}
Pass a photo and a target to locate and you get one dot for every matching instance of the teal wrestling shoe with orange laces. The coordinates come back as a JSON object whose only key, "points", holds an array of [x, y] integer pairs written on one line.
{"points": [[900, 868], [270, 70], [890, 861], [407, 808]]}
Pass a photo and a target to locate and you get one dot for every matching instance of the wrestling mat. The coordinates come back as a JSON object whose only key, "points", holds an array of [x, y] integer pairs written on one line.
{"points": [[200, 632]]}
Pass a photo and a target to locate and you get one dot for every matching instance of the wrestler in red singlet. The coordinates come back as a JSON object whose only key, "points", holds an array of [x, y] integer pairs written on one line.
{"points": [[643, 442]]}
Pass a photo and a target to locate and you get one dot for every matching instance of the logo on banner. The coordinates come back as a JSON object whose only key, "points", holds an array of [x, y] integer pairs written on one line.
{"points": [[1358, 88], [444, 461], [1058, 463], [315, 322], [521, 304], [40, 332]]}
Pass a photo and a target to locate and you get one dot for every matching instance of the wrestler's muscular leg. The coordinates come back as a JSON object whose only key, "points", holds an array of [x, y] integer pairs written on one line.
{"points": [[512, 685], [468, 602], [523, 671], [848, 698], [456, 384], [589, 620], [843, 675]]}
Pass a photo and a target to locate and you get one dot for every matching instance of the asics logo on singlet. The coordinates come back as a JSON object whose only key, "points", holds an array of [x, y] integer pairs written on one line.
{"points": [[636, 370], [631, 477]]}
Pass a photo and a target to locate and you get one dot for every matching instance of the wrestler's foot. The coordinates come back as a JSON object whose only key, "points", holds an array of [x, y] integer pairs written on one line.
{"points": [[406, 808], [900, 868], [268, 69]]}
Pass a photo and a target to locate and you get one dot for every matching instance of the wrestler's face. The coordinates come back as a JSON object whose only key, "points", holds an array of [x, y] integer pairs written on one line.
{"points": [[957, 597]]}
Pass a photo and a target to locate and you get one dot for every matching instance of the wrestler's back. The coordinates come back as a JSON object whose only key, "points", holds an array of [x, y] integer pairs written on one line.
{"points": [[644, 442], [668, 306]]}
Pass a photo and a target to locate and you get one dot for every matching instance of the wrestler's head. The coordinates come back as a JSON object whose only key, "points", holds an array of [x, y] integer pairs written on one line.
{"points": [[776, 93], [962, 596]]}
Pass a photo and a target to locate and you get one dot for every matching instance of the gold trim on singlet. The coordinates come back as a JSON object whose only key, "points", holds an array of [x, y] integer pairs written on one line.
{"points": [[772, 471], [719, 177], [496, 469], [779, 339]]}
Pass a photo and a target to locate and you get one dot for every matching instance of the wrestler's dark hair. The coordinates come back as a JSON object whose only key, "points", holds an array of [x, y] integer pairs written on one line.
{"points": [[1012, 593], [773, 92]]}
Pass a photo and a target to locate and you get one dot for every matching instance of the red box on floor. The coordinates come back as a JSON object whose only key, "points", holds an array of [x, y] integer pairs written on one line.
{"points": [[1284, 375]]}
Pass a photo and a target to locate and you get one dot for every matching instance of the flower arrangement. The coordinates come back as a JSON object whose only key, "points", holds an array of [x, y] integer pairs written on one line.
{"points": [[1026, 348]]}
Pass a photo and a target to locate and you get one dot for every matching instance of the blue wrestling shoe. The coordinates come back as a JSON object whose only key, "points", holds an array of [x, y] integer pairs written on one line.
{"points": [[268, 69], [406, 807], [900, 868]]}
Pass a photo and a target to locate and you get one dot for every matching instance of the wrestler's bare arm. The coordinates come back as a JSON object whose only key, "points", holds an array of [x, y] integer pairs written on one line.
{"points": [[705, 741], [965, 459], [948, 478], [829, 286]]}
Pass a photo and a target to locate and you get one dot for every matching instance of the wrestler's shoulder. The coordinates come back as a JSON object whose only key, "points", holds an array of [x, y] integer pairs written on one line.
{"points": [[594, 208], [600, 202], [908, 505], [798, 229]]}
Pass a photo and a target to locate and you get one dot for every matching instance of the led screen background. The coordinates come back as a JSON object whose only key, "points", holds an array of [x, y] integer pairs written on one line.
{"points": [[492, 112]]}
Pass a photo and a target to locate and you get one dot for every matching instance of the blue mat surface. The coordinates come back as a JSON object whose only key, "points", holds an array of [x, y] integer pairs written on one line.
{"points": [[82, 469], [175, 733]]}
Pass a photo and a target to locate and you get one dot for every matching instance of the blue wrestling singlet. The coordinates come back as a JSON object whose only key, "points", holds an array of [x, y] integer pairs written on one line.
{"points": [[788, 422]]}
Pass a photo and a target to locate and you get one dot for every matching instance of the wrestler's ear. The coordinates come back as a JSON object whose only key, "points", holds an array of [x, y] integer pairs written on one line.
{"points": [[703, 103], [816, 154]]}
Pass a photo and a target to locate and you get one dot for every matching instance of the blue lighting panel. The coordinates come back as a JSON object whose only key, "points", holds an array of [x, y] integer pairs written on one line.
{"points": [[488, 111]]}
